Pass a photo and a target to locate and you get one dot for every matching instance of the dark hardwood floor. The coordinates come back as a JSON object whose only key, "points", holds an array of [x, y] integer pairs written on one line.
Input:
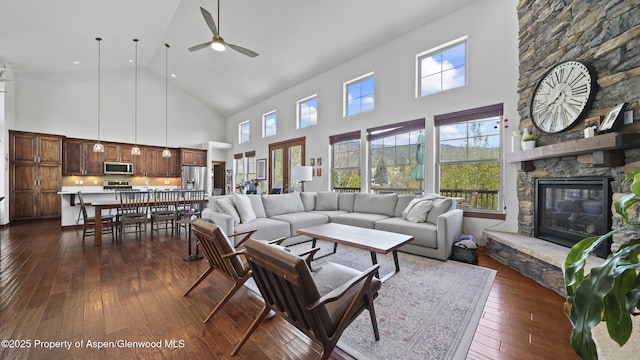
{"points": [[53, 289]]}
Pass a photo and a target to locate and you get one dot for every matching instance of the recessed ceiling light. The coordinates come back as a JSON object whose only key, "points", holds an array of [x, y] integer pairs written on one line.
{"points": [[76, 62], [173, 76], [131, 60]]}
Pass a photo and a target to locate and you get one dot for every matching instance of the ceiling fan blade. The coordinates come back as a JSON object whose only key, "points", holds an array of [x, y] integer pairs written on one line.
{"points": [[209, 20], [242, 50], [200, 46]]}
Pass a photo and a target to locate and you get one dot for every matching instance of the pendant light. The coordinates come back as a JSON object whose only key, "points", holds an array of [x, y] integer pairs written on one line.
{"points": [[98, 147], [135, 150], [166, 152]]}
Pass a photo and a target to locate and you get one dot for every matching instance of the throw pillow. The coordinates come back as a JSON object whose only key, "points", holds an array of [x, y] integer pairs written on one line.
{"points": [[327, 201], [440, 206], [243, 206], [418, 212], [225, 206]]}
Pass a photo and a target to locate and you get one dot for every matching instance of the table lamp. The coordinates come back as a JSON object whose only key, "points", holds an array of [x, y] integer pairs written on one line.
{"points": [[301, 174]]}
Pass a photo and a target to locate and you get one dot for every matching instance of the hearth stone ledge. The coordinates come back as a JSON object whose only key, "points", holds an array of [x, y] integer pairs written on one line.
{"points": [[539, 260]]}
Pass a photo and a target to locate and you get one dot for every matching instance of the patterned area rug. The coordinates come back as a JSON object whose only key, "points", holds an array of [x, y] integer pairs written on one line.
{"points": [[429, 310]]}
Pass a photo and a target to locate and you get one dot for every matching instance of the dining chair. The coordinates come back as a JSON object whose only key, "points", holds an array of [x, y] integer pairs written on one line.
{"points": [[191, 203], [89, 222], [164, 210], [132, 213], [321, 302]]}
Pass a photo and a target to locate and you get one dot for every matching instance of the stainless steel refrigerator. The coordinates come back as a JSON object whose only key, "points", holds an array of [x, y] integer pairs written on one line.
{"points": [[194, 177]]}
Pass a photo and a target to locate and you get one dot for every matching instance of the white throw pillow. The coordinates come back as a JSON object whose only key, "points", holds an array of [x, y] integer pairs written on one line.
{"points": [[225, 206], [243, 206], [418, 212]]}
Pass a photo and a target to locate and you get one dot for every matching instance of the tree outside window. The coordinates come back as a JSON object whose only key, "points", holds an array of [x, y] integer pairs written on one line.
{"points": [[394, 160], [346, 165]]}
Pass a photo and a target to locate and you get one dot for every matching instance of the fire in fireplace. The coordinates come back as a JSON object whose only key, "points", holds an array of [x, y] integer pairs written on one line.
{"points": [[570, 209]]}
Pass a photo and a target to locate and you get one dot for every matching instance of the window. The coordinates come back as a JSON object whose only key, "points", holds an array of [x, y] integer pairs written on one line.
{"points": [[308, 112], [359, 95], [397, 157], [469, 156], [442, 68], [244, 132], [269, 121], [238, 164], [346, 161]]}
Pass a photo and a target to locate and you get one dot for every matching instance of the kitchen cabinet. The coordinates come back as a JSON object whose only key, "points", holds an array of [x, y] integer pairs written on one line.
{"points": [[149, 155], [35, 173], [195, 157], [117, 152], [167, 166], [79, 158]]}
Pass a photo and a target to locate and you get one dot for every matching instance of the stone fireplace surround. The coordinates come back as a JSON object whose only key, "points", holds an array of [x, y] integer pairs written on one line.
{"points": [[612, 155]]}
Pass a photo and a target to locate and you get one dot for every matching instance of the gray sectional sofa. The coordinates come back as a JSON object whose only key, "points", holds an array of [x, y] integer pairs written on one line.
{"points": [[432, 220]]}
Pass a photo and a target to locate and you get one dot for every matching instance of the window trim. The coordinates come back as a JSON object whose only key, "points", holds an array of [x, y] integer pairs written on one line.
{"points": [[344, 137], [437, 49], [264, 123], [299, 110], [345, 93]]}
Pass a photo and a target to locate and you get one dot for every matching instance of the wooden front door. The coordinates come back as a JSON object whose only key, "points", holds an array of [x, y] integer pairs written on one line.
{"points": [[283, 156]]}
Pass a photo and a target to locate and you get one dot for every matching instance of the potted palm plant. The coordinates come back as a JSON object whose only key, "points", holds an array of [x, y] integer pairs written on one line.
{"points": [[610, 292]]}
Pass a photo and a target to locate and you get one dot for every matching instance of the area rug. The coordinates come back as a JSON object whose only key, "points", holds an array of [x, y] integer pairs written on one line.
{"points": [[429, 310]]}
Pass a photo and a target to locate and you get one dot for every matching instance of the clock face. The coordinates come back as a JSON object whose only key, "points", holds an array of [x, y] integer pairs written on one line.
{"points": [[562, 96]]}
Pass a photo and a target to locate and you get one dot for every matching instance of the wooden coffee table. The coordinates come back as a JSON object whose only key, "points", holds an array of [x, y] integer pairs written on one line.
{"points": [[375, 241]]}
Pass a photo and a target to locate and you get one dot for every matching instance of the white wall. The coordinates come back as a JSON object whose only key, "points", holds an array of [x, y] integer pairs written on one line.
{"points": [[492, 30], [66, 104]]}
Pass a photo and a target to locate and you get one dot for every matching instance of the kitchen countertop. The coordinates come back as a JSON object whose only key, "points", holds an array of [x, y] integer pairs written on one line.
{"points": [[73, 190]]}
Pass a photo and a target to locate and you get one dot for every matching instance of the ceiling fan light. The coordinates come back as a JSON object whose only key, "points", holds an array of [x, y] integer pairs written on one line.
{"points": [[218, 45], [135, 150]]}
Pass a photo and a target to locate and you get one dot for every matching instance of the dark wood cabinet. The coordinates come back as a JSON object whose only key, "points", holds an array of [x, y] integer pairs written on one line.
{"points": [[118, 152], [35, 175], [194, 157], [79, 158], [167, 166]]}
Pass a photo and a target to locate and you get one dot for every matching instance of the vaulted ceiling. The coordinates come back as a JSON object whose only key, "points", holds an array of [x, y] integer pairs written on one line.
{"points": [[296, 39]]}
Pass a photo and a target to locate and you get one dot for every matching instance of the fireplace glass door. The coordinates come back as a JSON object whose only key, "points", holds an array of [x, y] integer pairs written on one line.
{"points": [[570, 209]]}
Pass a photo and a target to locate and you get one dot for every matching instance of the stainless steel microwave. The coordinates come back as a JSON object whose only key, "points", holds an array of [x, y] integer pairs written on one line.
{"points": [[118, 168]]}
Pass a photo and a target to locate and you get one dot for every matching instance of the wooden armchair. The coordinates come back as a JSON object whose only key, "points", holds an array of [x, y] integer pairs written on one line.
{"points": [[222, 255], [321, 302]]}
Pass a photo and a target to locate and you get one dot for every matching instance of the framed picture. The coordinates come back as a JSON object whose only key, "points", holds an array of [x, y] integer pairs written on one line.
{"points": [[610, 120], [312, 162], [261, 169], [319, 161], [318, 171]]}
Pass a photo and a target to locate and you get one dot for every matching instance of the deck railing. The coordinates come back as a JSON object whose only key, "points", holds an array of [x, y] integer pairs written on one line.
{"points": [[484, 199]]}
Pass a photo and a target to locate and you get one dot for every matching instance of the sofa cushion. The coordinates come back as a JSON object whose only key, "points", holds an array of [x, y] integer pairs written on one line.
{"points": [[308, 200], [417, 212], [282, 204], [302, 220], [345, 201], [268, 229], [225, 205], [243, 206], [327, 200], [330, 214], [256, 205], [440, 206], [424, 234], [363, 220], [375, 203], [403, 202]]}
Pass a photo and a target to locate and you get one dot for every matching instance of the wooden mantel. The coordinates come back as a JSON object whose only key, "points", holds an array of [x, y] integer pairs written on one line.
{"points": [[607, 149]]}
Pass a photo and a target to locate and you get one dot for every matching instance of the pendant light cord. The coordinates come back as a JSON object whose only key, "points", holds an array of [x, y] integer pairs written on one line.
{"points": [[166, 96], [135, 96], [99, 40]]}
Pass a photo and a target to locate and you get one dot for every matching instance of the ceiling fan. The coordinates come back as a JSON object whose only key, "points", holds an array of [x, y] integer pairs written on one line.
{"points": [[218, 43]]}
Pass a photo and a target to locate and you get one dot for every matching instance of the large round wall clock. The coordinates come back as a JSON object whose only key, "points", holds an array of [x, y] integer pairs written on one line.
{"points": [[563, 96]]}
